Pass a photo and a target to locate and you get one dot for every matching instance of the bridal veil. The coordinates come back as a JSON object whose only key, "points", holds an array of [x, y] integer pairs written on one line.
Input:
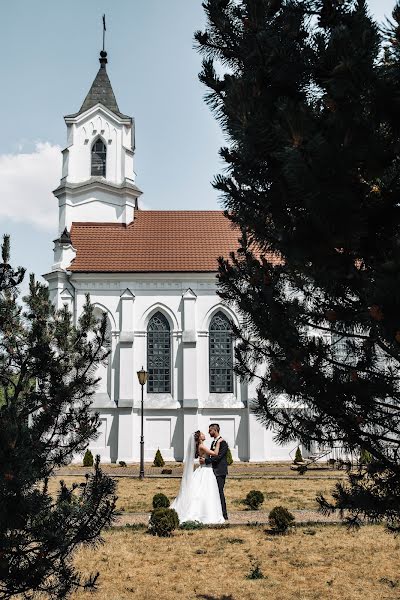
{"points": [[182, 502]]}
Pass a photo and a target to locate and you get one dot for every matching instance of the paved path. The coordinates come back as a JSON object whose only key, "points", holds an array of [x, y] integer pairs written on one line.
{"points": [[236, 471], [70, 473], [243, 517]]}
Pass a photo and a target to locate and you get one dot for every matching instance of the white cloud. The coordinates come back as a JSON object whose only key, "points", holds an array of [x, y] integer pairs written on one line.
{"points": [[26, 183]]}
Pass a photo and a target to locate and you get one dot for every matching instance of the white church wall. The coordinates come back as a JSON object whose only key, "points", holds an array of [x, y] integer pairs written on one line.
{"points": [[169, 418], [95, 205]]}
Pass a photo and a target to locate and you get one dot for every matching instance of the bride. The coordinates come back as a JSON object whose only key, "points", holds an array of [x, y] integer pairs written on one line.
{"points": [[198, 498]]}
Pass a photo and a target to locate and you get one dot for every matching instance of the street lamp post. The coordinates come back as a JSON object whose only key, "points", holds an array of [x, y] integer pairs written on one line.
{"points": [[142, 376]]}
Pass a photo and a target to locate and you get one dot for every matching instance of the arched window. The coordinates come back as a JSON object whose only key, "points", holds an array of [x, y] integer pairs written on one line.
{"points": [[158, 354], [99, 155], [221, 354]]}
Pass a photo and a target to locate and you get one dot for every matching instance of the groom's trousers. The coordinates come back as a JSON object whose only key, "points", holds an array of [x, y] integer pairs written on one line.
{"points": [[221, 484]]}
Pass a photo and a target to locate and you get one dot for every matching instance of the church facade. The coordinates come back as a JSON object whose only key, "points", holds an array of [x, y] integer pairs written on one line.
{"points": [[154, 274]]}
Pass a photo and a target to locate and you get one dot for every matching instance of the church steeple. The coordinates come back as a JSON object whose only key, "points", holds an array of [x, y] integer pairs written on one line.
{"points": [[98, 180], [101, 91]]}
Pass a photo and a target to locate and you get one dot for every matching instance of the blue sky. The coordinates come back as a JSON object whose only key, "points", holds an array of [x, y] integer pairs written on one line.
{"points": [[49, 59]]}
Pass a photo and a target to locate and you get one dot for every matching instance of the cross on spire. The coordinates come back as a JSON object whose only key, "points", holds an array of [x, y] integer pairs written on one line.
{"points": [[103, 53]]}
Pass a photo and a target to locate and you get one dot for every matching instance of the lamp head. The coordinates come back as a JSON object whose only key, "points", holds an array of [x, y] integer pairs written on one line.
{"points": [[142, 376]]}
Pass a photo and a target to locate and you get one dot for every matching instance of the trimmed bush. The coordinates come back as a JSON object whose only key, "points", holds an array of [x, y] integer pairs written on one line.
{"points": [[188, 525], [158, 459], [122, 463], [160, 501], [88, 459], [163, 521], [229, 458], [298, 456], [365, 457], [254, 499], [280, 519]]}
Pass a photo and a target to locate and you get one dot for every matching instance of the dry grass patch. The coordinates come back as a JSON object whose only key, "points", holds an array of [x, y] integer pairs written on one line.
{"points": [[330, 564], [136, 495]]}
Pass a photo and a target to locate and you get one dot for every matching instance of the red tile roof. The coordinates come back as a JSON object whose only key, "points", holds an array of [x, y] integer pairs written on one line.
{"points": [[156, 241]]}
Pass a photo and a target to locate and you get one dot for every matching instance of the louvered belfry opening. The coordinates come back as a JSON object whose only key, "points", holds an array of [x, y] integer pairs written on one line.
{"points": [[99, 157], [221, 354], [159, 354]]}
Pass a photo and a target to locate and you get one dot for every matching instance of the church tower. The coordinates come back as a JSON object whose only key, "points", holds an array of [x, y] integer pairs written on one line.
{"points": [[98, 180]]}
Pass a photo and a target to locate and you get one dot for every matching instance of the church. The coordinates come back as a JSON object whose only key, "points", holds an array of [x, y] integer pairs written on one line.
{"points": [[153, 272]]}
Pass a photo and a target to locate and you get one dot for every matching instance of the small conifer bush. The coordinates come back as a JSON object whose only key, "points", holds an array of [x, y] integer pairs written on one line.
{"points": [[122, 463], [280, 519], [189, 525], [160, 501], [365, 457], [229, 458], [298, 456], [254, 499], [163, 521], [88, 459], [158, 459]]}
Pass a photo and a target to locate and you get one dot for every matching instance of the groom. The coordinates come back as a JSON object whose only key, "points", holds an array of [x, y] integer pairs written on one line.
{"points": [[219, 463]]}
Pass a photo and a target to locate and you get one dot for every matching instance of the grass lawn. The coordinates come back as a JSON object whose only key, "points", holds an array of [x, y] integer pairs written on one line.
{"points": [[136, 495], [309, 564]]}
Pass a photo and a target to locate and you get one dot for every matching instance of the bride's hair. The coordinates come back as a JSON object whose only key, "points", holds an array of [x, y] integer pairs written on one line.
{"points": [[197, 441]]}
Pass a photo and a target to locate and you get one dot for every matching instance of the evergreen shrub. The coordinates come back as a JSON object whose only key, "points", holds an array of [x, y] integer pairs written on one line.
{"points": [[298, 456], [280, 519], [229, 458], [160, 501], [365, 457], [122, 463], [254, 499], [158, 459], [88, 459], [188, 525], [163, 521]]}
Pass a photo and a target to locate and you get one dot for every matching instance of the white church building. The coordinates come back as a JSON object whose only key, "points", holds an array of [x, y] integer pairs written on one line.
{"points": [[154, 274]]}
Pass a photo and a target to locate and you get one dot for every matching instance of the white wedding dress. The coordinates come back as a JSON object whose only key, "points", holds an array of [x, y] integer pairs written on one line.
{"points": [[198, 498]]}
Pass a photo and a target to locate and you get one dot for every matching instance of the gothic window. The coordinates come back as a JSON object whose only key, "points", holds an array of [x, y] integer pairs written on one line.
{"points": [[99, 155], [158, 354], [221, 354]]}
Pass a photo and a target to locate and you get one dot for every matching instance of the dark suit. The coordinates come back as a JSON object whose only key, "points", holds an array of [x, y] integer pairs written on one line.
{"points": [[220, 466]]}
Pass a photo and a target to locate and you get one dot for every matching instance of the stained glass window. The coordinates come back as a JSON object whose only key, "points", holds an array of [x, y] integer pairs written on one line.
{"points": [[221, 354], [158, 354], [99, 155]]}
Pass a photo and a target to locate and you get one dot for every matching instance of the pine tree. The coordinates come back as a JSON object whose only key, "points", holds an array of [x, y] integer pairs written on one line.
{"points": [[47, 368], [298, 456], [309, 102], [158, 459]]}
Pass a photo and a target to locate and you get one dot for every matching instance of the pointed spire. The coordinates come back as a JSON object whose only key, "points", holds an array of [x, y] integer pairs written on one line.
{"points": [[101, 90]]}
